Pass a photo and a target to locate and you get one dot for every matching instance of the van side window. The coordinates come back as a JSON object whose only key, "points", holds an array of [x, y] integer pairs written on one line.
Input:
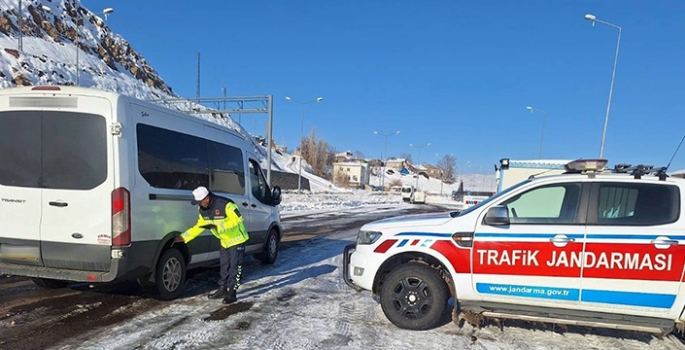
{"points": [[637, 204], [226, 166], [169, 159], [260, 189], [553, 204]]}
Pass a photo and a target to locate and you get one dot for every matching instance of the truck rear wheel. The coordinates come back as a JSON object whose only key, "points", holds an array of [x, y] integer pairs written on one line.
{"points": [[414, 296]]}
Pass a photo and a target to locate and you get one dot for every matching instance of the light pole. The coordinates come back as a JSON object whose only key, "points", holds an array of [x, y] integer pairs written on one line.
{"points": [[419, 147], [419, 160], [385, 154], [20, 43], [594, 20], [302, 104], [542, 134]]}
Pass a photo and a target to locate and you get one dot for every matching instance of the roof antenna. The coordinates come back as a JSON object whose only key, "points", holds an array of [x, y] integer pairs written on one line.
{"points": [[674, 153], [662, 171]]}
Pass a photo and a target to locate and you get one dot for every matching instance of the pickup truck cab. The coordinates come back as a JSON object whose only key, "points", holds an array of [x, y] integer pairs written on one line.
{"points": [[590, 247]]}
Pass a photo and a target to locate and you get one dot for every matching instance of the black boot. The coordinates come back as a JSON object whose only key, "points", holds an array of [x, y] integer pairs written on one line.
{"points": [[219, 293], [230, 298]]}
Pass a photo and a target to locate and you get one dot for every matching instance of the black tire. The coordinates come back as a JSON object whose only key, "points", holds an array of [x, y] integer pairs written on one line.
{"points": [[414, 296], [49, 284], [170, 275], [270, 253]]}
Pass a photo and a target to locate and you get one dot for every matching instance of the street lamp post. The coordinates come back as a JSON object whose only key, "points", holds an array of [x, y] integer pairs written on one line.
{"points": [[419, 160], [385, 154], [542, 134], [302, 104], [594, 20], [419, 147], [20, 46]]}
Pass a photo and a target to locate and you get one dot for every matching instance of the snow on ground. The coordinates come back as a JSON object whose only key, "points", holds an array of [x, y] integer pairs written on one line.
{"points": [[302, 303], [294, 203]]}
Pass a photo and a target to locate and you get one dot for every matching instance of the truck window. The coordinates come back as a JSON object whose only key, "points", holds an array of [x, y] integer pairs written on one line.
{"points": [[552, 204], [637, 204]]}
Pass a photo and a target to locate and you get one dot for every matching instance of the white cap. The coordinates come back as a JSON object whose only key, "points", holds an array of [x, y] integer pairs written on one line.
{"points": [[200, 193]]}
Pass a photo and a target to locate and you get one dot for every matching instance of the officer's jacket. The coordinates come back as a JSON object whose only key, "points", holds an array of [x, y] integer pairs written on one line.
{"points": [[223, 219]]}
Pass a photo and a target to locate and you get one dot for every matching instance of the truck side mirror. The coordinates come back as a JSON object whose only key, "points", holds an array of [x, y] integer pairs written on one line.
{"points": [[497, 216], [276, 196]]}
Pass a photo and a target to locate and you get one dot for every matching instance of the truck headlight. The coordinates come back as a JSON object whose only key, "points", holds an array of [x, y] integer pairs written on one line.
{"points": [[368, 237]]}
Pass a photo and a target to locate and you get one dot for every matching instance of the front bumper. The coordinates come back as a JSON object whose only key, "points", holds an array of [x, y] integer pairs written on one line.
{"points": [[347, 253]]}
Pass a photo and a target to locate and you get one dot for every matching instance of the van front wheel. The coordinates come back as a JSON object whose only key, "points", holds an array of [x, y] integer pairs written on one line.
{"points": [[170, 276], [49, 284], [270, 253]]}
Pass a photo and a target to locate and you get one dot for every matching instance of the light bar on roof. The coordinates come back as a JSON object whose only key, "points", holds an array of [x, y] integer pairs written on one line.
{"points": [[583, 165]]}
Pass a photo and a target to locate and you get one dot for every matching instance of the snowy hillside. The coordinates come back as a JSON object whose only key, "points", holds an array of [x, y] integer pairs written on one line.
{"points": [[106, 61]]}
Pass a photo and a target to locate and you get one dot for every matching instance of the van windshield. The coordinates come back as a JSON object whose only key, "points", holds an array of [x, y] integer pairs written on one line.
{"points": [[52, 149], [495, 197]]}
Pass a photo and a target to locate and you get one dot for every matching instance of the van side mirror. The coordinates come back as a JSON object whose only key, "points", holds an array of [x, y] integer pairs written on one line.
{"points": [[276, 196], [497, 216]]}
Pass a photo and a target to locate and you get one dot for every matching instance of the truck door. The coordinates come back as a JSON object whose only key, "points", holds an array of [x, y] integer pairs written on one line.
{"points": [[634, 254], [537, 258]]}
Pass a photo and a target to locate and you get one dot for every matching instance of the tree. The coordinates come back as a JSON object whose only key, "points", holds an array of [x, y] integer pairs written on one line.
{"points": [[358, 154], [318, 153], [448, 165], [406, 157], [341, 178]]}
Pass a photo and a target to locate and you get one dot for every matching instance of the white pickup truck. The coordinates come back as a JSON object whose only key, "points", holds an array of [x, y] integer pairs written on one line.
{"points": [[590, 247]]}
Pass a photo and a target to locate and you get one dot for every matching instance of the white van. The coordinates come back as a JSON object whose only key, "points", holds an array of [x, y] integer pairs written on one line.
{"points": [[95, 185], [407, 192]]}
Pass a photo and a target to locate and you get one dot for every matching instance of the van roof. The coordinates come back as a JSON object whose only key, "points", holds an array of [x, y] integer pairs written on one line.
{"points": [[78, 90]]}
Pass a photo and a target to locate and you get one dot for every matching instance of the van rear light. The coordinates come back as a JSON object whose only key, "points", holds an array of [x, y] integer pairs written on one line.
{"points": [[121, 217], [46, 88]]}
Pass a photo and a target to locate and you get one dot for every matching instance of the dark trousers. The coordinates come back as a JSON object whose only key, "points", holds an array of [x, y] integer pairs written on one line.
{"points": [[231, 260]]}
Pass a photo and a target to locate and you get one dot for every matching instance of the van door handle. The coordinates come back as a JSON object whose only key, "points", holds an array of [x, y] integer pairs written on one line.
{"points": [[664, 241], [59, 204], [253, 205], [245, 204]]}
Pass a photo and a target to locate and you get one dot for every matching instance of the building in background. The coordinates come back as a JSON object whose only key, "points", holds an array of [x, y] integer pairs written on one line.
{"points": [[354, 174]]}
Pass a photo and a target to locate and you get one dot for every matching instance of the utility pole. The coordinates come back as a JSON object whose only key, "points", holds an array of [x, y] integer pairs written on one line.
{"points": [[20, 47], [198, 75]]}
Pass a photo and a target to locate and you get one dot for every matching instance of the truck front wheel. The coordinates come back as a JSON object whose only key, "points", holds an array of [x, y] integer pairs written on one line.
{"points": [[414, 296]]}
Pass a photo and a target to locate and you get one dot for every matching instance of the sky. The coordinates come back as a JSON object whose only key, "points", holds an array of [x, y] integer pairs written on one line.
{"points": [[456, 74]]}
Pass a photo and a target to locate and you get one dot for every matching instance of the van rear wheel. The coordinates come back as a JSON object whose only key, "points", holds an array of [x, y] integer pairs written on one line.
{"points": [[170, 275], [49, 283]]}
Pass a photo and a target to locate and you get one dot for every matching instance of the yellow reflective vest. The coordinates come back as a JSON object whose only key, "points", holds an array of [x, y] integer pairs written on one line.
{"points": [[223, 219]]}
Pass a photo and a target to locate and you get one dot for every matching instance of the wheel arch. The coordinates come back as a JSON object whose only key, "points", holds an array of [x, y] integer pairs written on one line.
{"points": [[164, 244], [438, 263]]}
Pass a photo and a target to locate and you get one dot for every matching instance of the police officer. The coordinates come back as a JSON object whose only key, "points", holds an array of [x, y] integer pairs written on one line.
{"points": [[221, 216]]}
